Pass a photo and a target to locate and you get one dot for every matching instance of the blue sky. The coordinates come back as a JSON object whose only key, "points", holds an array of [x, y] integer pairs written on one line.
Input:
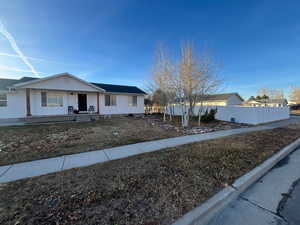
{"points": [[256, 43]]}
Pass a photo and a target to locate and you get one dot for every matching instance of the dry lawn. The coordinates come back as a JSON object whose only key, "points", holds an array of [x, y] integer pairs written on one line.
{"points": [[149, 189], [26, 143]]}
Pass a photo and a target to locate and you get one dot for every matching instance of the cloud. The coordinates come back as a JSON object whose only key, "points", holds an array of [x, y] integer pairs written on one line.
{"points": [[14, 45]]}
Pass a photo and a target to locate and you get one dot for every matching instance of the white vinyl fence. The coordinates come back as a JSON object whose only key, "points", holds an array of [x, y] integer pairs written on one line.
{"points": [[241, 114]]}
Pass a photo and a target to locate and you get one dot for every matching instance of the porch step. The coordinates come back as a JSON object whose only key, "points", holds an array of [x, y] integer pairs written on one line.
{"points": [[62, 118], [84, 118], [46, 119]]}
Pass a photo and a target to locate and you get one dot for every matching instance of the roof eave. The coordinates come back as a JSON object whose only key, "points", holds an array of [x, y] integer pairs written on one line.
{"points": [[123, 93], [20, 85]]}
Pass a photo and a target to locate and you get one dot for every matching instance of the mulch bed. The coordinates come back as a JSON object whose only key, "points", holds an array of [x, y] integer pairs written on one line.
{"points": [[150, 189], [194, 128]]}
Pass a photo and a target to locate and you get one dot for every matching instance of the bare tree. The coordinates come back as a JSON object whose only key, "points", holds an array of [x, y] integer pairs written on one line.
{"points": [[198, 76], [163, 75], [271, 93], [185, 83], [295, 94]]}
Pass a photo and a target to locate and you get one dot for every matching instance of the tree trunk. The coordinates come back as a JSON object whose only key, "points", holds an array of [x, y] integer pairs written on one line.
{"points": [[185, 116], [199, 114], [170, 112]]}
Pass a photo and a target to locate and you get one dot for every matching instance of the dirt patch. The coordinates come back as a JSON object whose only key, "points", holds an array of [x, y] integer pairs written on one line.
{"points": [[150, 189], [19, 144]]}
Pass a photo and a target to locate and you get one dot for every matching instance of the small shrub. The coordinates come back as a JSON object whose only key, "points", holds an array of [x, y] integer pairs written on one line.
{"points": [[204, 117], [208, 116]]}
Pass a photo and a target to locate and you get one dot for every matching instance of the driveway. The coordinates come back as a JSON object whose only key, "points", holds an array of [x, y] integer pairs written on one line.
{"points": [[274, 199]]}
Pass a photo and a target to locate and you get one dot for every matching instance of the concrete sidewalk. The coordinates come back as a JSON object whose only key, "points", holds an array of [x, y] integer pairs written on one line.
{"points": [[260, 203], [40, 167]]}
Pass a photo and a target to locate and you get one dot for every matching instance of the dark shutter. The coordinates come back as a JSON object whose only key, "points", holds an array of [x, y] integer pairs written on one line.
{"points": [[44, 99], [107, 100]]}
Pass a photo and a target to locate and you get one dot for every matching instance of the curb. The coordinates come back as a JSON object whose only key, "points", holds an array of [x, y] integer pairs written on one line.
{"points": [[207, 210]]}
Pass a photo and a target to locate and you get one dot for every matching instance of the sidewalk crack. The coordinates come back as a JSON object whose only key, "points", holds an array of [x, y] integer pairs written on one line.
{"points": [[233, 187], [264, 209], [63, 163], [5, 171], [106, 155]]}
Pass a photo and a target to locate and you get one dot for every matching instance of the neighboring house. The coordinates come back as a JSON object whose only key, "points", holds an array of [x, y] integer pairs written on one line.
{"points": [[293, 102], [63, 94], [266, 102], [221, 99]]}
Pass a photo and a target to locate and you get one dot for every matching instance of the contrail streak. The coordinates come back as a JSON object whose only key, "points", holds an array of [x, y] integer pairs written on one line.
{"points": [[17, 56], [35, 59], [2, 67], [14, 45]]}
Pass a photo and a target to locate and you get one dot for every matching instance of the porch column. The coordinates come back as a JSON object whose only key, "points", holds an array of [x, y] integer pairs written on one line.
{"points": [[98, 103], [28, 109]]}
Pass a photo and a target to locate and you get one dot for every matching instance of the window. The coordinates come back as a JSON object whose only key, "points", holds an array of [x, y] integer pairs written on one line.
{"points": [[110, 100], [132, 100], [51, 99], [3, 100], [44, 99]]}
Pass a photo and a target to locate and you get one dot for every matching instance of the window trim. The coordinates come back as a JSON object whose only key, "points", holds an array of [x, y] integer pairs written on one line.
{"points": [[5, 101], [133, 103], [112, 100], [47, 96]]}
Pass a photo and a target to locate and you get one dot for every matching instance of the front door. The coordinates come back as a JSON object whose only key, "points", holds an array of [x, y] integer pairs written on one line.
{"points": [[82, 102]]}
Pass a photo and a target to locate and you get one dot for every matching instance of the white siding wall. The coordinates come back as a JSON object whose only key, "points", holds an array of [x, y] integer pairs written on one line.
{"points": [[68, 100], [122, 106], [73, 100], [250, 115], [92, 100], [38, 110], [16, 107]]}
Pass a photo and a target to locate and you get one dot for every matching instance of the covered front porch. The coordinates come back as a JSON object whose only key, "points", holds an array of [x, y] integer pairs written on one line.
{"points": [[47, 102]]}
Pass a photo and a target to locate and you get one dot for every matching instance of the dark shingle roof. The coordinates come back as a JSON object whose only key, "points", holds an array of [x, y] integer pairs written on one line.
{"points": [[26, 79], [6, 83], [119, 88]]}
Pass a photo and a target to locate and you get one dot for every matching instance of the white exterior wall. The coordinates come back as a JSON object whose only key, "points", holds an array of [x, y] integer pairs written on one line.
{"points": [[38, 110], [122, 106], [241, 114], [72, 99], [68, 100], [16, 105]]}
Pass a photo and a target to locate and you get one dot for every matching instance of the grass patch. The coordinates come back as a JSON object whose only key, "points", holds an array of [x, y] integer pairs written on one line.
{"points": [[150, 189], [26, 143]]}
